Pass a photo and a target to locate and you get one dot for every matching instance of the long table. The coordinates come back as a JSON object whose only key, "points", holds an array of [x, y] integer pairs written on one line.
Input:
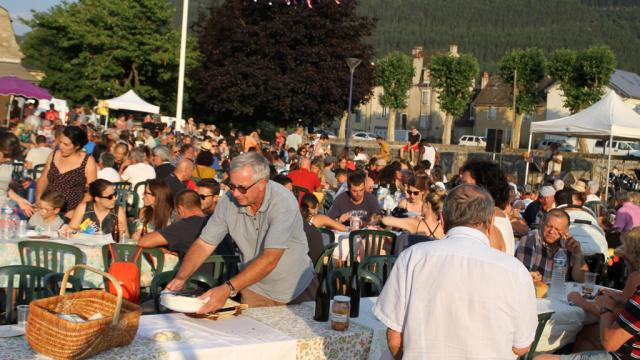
{"points": [[279, 333], [10, 255]]}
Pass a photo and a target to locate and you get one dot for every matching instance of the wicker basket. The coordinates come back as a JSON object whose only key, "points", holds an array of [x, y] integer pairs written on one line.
{"points": [[58, 338]]}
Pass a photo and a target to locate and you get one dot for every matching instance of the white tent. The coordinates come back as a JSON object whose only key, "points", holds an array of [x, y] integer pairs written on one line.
{"points": [[131, 101], [606, 119]]}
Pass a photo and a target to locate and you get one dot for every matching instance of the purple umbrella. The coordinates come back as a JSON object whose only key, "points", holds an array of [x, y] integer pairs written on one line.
{"points": [[11, 85]]}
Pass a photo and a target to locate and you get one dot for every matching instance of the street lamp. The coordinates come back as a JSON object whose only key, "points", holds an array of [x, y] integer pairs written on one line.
{"points": [[353, 64]]}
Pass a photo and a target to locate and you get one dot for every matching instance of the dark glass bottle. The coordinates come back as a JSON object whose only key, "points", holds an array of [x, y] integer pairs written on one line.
{"points": [[116, 232], [322, 295], [354, 291]]}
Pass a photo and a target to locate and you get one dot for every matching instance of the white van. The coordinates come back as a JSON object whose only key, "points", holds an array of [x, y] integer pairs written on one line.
{"points": [[563, 145], [618, 147]]}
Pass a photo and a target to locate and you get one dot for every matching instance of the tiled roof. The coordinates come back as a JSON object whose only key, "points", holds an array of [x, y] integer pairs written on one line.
{"points": [[626, 83]]}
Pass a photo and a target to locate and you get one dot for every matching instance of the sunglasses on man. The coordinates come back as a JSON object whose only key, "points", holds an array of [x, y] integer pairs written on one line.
{"points": [[243, 190]]}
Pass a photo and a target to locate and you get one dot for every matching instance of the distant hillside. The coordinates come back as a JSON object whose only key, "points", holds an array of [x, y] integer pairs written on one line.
{"points": [[489, 28]]}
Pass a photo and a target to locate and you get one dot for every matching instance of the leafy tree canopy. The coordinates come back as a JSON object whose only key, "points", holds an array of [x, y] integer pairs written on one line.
{"points": [[281, 63], [583, 75], [97, 49], [530, 67], [395, 74], [453, 77]]}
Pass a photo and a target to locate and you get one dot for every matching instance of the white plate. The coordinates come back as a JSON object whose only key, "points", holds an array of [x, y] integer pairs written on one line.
{"points": [[183, 304], [10, 331]]}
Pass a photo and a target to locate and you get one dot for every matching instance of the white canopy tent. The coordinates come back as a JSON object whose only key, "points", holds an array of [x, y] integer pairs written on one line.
{"points": [[131, 101], [608, 118]]}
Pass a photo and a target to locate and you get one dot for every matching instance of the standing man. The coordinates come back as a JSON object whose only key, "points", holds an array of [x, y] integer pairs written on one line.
{"points": [[473, 289], [628, 214], [295, 140], [52, 114], [265, 222], [554, 163], [428, 152]]}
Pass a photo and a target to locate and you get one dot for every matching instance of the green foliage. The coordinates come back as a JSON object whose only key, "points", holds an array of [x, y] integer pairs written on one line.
{"points": [[279, 63], [453, 77], [395, 74], [583, 75], [490, 28], [97, 49], [530, 65]]}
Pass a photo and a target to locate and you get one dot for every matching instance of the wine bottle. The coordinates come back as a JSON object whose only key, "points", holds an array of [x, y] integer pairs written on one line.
{"points": [[322, 295], [354, 291]]}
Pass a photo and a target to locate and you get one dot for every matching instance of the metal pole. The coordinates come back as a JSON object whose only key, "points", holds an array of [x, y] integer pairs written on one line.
{"points": [[526, 169], [348, 128], [183, 51], [515, 94], [606, 190]]}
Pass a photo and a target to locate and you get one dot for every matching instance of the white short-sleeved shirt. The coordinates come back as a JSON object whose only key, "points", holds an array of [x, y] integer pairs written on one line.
{"points": [[458, 298], [506, 230], [138, 173], [109, 174], [38, 155]]}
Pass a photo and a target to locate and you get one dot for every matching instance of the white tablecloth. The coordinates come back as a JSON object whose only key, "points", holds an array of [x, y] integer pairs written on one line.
{"points": [[238, 337]]}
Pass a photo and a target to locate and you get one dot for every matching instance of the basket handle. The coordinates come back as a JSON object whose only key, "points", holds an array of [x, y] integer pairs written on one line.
{"points": [[116, 284]]}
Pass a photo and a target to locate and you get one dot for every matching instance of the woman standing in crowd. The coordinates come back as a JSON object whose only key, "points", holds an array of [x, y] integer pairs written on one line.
{"points": [[157, 212], [10, 149], [102, 213], [69, 169]]}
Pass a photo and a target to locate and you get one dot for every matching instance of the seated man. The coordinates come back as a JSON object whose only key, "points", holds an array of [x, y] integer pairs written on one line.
{"points": [[356, 198], [538, 248], [619, 332], [584, 226], [179, 236], [180, 178], [209, 191]]}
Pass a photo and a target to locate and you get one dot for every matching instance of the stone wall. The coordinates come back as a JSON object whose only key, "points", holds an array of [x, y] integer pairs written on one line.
{"points": [[453, 157]]}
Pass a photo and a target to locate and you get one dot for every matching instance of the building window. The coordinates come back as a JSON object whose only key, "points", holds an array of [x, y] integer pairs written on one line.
{"points": [[491, 114], [425, 97]]}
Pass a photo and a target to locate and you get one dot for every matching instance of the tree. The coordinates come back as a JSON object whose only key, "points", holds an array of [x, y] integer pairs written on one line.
{"points": [[281, 63], [97, 49], [453, 77], [395, 74], [582, 77], [530, 67]]}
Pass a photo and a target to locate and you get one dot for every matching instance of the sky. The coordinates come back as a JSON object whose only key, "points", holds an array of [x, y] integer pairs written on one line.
{"points": [[22, 8]]}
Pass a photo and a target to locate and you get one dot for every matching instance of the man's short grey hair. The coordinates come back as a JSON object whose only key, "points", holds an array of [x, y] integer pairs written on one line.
{"points": [[162, 152], [257, 162], [622, 196], [467, 205], [137, 155], [107, 159]]}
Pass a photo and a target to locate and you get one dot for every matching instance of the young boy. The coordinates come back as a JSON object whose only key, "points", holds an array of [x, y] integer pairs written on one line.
{"points": [[47, 210]]}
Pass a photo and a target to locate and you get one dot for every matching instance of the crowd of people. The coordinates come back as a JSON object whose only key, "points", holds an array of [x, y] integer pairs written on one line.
{"points": [[203, 192]]}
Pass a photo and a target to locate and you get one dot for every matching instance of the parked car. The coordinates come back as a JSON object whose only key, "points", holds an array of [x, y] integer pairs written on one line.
{"points": [[361, 135], [472, 140], [563, 145], [622, 148]]}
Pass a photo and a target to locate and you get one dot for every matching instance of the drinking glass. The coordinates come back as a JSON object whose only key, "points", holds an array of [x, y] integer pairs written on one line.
{"points": [[23, 315], [588, 288]]}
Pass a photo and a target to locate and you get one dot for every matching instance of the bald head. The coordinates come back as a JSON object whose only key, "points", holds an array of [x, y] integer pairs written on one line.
{"points": [[469, 206], [184, 168], [305, 163]]}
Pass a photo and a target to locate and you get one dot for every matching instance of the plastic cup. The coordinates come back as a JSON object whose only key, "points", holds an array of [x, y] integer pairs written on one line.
{"points": [[588, 288], [23, 315]]}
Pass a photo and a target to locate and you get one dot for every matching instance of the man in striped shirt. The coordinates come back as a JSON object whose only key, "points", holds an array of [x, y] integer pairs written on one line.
{"points": [[620, 333]]}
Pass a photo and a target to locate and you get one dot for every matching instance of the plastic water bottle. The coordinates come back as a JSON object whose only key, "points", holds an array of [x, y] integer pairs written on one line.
{"points": [[5, 224], [13, 223], [558, 275]]}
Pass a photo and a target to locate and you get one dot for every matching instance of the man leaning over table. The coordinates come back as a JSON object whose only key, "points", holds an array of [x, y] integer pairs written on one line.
{"points": [[458, 298], [264, 220]]}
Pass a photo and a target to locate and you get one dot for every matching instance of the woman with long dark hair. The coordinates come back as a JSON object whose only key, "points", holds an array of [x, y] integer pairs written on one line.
{"points": [[103, 213], [158, 208]]}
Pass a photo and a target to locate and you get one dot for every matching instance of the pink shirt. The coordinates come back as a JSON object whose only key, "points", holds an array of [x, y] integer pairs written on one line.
{"points": [[627, 217]]}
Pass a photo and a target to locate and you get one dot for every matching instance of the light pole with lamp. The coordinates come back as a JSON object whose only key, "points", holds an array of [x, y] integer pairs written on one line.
{"points": [[353, 64]]}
